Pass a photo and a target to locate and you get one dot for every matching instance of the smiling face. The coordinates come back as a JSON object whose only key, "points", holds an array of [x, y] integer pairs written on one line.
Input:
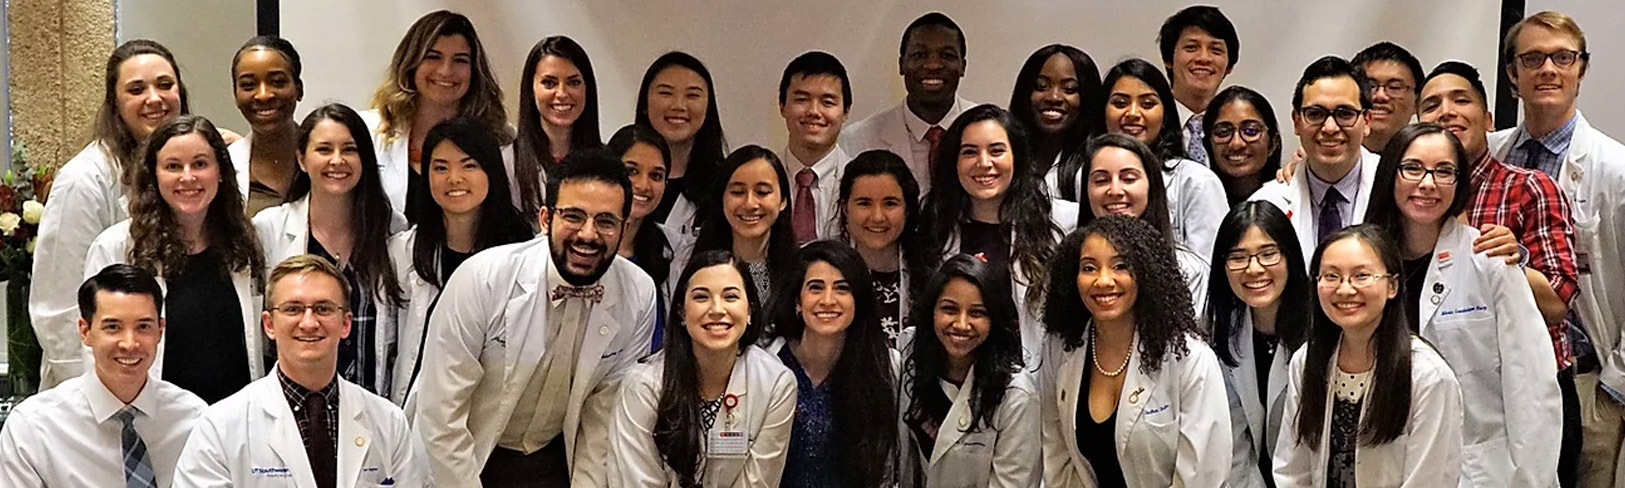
{"points": [[442, 76], [677, 101], [331, 159], [826, 302], [1349, 306], [986, 162], [561, 91], [309, 340], [1105, 283], [753, 200], [1201, 62], [931, 64], [647, 169], [1134, 109], [266, 90], [1550, 86], [1426, 201], [1451, 101], [716, 309], [1238, 157], [1329, 148], [813, 110], [1257, 285], [584, 228], [876, 212], [1390, 109], [456, 181], [1117, 183], [149, 93], [1057, 96], [961, 319], [188, 176], [123, 337]]}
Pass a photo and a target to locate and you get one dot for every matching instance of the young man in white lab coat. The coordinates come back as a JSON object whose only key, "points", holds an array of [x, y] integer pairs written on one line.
{"points": [[931, 60], [815, 97], [304, 425], [529, 342], [1546, 60], [114, 425]]}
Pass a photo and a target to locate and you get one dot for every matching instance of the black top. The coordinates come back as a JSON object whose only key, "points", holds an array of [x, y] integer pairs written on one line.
{"points": [[1263, 358], [984, 240], [450, 259], [1416, 274], [1098, 441], [889, 301], [205, 352]]}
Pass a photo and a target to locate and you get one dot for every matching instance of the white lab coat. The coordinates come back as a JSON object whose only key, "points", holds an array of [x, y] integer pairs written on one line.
{"points": [[1480, 314], [1593, 177], [412, 315], [886, 129], [284, 232], [680, 249], [395, 163], [252, 439], [766, 391], [1063, 214], [86, 198], [240, 156], [1173, 428], [1427, 455], [486, 337], [1253, 427], [1005, 453], [113, 247], [1196, 204], [1298, 203]]}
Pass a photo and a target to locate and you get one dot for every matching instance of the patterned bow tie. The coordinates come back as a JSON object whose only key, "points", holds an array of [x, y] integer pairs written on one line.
{"points": [[593, 293]]}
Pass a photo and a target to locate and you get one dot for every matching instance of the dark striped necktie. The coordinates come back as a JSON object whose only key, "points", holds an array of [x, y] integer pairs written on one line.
{"points": [[137, 464]]}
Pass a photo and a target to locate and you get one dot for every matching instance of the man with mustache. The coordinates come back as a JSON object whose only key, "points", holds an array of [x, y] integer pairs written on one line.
{"points": [[815, 97], [931, 60], [1199, 49], [1546, 58], [528, 343], [1394, 77]]}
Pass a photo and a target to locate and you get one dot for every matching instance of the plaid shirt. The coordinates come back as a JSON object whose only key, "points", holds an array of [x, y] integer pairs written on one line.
{"points": [[357, 357], [1530, 204], [296, 395]]}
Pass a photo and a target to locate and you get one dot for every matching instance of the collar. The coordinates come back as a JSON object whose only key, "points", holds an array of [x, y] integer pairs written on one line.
{"points": [[103, 405], [1555, 142], [296, 393], [1481, 168], [822, 169], [1349, 186], [917, 126]]}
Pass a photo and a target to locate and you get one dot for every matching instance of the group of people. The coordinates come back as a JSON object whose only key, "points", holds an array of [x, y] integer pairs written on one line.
{"points": [[1114, 280]]}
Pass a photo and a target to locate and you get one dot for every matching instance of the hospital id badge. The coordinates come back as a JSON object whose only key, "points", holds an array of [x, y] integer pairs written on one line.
{"points": [[726, 443]]}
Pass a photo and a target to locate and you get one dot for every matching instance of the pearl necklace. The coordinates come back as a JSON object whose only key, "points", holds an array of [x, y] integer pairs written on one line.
{"points": [[1094, 335]]}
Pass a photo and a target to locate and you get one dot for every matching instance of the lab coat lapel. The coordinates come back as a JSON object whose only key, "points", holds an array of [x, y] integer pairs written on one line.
{"points": [[295, 231], [726, 470], [353, 426], [602, 327], [524, 319], [1136, 392], [955, 425], [1300, 210], [1070, 377], [250, 304], [1438, 284], [1368, 176], [1246, 378], [285, 440]]}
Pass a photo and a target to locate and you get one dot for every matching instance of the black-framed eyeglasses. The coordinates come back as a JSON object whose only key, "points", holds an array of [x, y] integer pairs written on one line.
{"points": [[1317, 115], [1251, 131], [295, 310], [1563, 59], [1445, 174], [1237, 261], [575, 219], [1359, 280], [1394, 87]]}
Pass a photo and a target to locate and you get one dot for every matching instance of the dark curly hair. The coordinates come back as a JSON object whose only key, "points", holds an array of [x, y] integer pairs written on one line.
{"points": [[997, 359], [1162, 311], [156, 243]]}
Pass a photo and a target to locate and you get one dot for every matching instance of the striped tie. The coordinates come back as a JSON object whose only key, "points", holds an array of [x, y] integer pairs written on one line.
{"points": [[137, 465]]}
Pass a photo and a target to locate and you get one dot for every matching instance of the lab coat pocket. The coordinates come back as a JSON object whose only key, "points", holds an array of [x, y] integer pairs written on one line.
{"points": [[1486, 463], [1470, 346]]}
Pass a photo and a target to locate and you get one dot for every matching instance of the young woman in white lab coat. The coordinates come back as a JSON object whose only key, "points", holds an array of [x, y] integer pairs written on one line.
{"points": [[265, 76], [339, 211], [439, 71], [659, 250], [558, 115], [1140, 104], [187, 227], [711, 409], [880, 205], [1476, 309], [1244, 139], [969, 405], [468, 211], [1131, 395], [1259, 314], [750, 216], [143, 89], [1120, 179], [826, 331], [1054, 95], [1368, 404], [678, 99]]}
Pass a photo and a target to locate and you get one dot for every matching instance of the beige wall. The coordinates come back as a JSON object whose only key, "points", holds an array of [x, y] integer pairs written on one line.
{"points": [[203, 39], [57, 51]]}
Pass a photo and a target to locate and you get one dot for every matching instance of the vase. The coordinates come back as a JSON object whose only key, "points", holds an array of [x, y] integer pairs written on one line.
{"points": [[22, 348]]}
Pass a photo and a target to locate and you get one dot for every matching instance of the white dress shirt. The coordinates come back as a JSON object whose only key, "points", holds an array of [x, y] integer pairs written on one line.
{"points": [[67, 436], [826, 187]]}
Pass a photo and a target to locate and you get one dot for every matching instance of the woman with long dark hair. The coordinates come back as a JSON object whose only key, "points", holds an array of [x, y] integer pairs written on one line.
{"points": [[1140, 104], [1244, 140], [1132, 396], [558, 115], [1477, 310], [711, 408], [340, 212], [187, 227], [1364, 387], [1258, 314], [678, 99], [468, 211], [1056, 95], [750, 216], [880, 207], [826, 331], [658, 249], [969, 406], [265, 74]]}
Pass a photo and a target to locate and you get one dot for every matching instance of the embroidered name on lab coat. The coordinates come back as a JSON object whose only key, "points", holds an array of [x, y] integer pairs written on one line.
{"points": [[1152, 411], [1462, 310], [277, 472]]}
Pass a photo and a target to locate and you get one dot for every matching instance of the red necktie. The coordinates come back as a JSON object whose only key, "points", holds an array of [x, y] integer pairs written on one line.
{"points": [[934, 136], [804, 216]]}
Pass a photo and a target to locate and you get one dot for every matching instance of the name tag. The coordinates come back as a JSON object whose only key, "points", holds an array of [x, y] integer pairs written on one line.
{"points": [[1464, 310], [272, 472], [726, 444]]}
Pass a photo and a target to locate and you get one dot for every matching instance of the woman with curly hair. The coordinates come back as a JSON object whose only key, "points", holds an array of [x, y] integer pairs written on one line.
{"points": [[969, 406], [998, 210], [1121, 179], [187, 227], [1056, 95], [708, 382], [879, 205], [1132, 395]]}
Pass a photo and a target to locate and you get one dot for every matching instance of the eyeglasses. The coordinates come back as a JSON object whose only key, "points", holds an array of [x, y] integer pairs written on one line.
{"points": [[1269, 256], [575, 219], [1394, 87], [1445, 174], [1359, 280], [296, 310], [1563, 59], [1316, 115], [1251, 131]]}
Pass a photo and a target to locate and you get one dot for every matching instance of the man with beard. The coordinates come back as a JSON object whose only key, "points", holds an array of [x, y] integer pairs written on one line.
{"points": [[931, 60], [529, 341], [1394, 78]]}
